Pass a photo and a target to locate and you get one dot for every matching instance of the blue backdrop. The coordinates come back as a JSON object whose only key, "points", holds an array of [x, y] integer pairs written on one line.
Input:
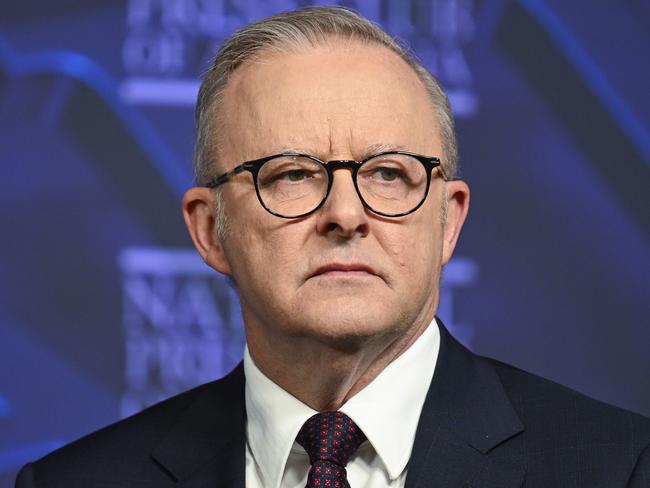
{"points": [[105, 308]]}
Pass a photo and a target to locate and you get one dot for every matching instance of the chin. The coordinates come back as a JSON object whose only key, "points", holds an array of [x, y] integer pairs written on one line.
{"points": [[350, 331]]}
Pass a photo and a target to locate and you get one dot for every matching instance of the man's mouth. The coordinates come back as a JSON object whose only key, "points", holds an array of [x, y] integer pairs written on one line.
{"points": [[344, 269]]}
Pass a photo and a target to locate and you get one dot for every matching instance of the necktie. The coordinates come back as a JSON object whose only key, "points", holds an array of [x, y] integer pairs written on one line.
{"points": [[330, 439]]}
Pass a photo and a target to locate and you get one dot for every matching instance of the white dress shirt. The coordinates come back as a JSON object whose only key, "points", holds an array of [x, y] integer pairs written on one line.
{"points": [[387, 411]]}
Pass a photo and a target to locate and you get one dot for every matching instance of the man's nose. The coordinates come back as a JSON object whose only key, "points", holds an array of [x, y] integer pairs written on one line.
{"points": [[343, 213]]}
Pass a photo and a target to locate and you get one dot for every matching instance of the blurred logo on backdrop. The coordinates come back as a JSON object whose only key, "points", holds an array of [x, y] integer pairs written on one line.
{"points": [[170, 42], [183, 325]]}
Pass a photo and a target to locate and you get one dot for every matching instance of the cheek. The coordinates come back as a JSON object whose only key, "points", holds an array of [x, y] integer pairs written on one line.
{"points": [[415, 251], [399, 250], [267, 245]]}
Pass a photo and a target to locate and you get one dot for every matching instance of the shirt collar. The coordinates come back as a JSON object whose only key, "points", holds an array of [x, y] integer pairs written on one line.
{"points": [[397, 393], [275, 416]]}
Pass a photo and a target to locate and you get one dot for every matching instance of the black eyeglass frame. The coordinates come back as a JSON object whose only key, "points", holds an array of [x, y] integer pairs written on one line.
{"points": [[254, 166]]}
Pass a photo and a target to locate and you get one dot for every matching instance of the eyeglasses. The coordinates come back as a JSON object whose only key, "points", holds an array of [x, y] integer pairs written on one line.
{"points": [[293, 185]]}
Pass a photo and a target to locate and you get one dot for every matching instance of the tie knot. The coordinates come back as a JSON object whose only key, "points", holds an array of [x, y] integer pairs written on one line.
{"points": [[331, 437]]}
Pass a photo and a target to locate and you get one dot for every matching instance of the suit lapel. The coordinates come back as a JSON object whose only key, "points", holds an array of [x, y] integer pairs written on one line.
{"points": [[467, 434], [206, 446]]}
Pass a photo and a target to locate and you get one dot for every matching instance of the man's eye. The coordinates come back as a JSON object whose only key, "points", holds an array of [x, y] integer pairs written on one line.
{"points": [[294, 175], [387, 174]]}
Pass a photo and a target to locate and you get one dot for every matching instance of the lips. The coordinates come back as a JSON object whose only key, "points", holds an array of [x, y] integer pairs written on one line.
{"points": [[343, 268]]}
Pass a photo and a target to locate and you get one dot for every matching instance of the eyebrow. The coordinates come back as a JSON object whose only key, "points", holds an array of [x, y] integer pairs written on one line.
{"points": [[383, 147], [298, 150], [367, 152]]}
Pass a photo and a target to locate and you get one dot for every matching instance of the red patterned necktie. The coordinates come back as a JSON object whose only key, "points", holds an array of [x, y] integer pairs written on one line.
{"points": [[330, 439]]}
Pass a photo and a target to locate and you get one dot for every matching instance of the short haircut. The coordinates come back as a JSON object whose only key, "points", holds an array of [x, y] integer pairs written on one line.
{"points": [[308, 27]]}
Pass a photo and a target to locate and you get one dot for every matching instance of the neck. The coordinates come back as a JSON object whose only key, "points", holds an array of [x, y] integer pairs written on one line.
{"points": [[324, 374]]}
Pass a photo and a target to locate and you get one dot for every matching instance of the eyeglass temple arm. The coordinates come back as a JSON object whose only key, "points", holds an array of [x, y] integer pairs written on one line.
{"points": [[220, 180], [442, 171]]}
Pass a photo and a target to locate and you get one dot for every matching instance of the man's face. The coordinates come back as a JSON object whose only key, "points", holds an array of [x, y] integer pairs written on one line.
{"points": [[341, 275]]}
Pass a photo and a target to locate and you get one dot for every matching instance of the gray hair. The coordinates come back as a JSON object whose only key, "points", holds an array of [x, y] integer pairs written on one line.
{"points": [[307, 27]]}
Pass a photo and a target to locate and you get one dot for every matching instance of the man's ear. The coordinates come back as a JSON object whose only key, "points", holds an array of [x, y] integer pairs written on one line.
{"points": [[199, 215], [457, 206]]}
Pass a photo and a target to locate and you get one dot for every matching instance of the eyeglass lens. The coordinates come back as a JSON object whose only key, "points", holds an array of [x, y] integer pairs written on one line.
{"points": [[391, 184]]}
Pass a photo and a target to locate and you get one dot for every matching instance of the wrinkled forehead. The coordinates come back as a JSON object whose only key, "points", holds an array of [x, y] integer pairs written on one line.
{"points": [[334, 99]]}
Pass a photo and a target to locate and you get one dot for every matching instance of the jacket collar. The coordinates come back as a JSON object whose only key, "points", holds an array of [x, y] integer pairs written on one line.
{"points": [[207, 444], [466, 415]]}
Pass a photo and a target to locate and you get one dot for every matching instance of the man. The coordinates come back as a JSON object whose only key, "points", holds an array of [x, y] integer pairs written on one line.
{"points": [[325, 159]]}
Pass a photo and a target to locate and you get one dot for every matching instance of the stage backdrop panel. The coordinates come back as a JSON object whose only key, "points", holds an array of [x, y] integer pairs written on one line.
{"points": [[104, 305]]}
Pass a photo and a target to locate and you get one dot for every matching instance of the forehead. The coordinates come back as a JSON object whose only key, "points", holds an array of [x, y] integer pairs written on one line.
{"points": [[336, 99]]}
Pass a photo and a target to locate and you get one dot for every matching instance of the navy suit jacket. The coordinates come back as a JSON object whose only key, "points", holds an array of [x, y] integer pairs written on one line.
{"points": [[484, 425]]}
